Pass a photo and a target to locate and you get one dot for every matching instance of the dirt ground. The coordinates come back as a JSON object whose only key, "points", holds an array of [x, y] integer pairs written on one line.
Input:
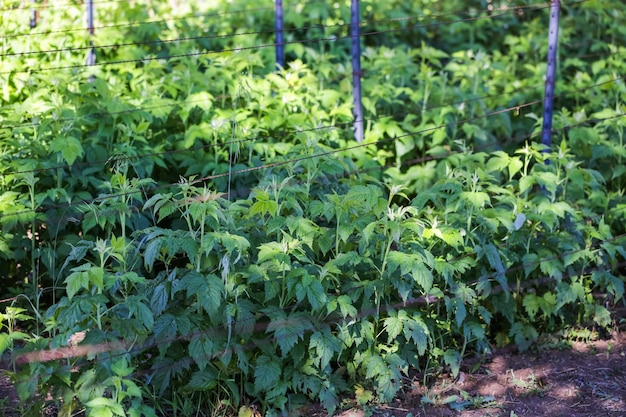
{"points": [[579, 378]]}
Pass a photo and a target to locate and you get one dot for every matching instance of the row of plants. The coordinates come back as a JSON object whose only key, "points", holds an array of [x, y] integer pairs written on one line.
{"points": [[204, 235], [299, 292]]}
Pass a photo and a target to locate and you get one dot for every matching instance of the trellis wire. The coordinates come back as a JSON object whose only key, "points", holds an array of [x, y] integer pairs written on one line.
{"points": [[282, 134], [505, 11]]}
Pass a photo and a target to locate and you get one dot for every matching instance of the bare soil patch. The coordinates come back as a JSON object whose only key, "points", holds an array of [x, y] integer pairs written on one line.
{"points": [[583, 379]]}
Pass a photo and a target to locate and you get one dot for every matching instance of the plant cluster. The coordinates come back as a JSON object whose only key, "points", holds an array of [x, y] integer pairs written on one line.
{"points": [[188, 232]]}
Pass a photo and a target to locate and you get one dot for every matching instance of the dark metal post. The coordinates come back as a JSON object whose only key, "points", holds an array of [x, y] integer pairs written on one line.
{"points": [[91, 55], [33, 15], [280, 46], [553, 40], [355, 32]]}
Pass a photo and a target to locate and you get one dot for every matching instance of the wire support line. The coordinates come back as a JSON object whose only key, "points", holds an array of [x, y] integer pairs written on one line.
{"points": [[56, 6], [232, 35], [271, 164], [174, 104], [117, 158], [149, 22], [248, 48], [336, 126], [219, 14]]}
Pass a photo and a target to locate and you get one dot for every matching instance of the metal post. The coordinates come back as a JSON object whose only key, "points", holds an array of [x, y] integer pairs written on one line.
{"points": [[553, 40], [280, 46], [33, 15], [91, 54], [356, 71]]}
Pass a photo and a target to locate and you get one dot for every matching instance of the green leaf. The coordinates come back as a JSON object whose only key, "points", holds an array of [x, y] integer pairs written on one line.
{"points": [[79, 279], [526, 183], [531, 304], [324, 345], [165, 330], [478, 199], [393, 327], [452, 358], [267, 372], [272, 251], [121, 368], [495, 261], [159, 299], [5, 343], [346, 307], [515, 165], [69, 146], [201, 349], [102, 406], [288, 330], [412, 264], [203, 380], [415, 329]]}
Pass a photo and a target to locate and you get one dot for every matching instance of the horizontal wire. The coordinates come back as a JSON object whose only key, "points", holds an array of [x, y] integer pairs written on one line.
{"points": [[483, 148], [218, 14], [273, 164], [232, 35], [283, 134], [55, 6], [176, 103], [248, 48], [114, 158], [479, 148]]}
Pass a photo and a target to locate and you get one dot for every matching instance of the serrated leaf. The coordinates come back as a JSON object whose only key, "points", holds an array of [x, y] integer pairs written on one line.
{"points": [[415, 329], [531, 304], [159, 299], [267, 373], [422, 276], [526, 183], [324, 345], [515, 165], [272, 251], [165, 329], [203, 380], [152, 252], [452, 358], [77, 280], [393, 327], [498, 162], [120, 368], [288, 330], [495, 261], [478, 199], [102, 407], [411, 264], [201, 350], [69, 146], [346, 307], [5, 343]]}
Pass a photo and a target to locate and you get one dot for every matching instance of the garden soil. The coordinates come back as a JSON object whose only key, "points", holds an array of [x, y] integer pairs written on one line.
{"points": [[576, 378]]}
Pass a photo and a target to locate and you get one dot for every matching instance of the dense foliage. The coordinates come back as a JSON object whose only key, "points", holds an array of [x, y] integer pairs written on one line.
{"points": [[205, 227]]}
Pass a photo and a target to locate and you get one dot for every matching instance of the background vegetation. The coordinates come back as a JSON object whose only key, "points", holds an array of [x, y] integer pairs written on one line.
{"points": [[207, 228]]}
